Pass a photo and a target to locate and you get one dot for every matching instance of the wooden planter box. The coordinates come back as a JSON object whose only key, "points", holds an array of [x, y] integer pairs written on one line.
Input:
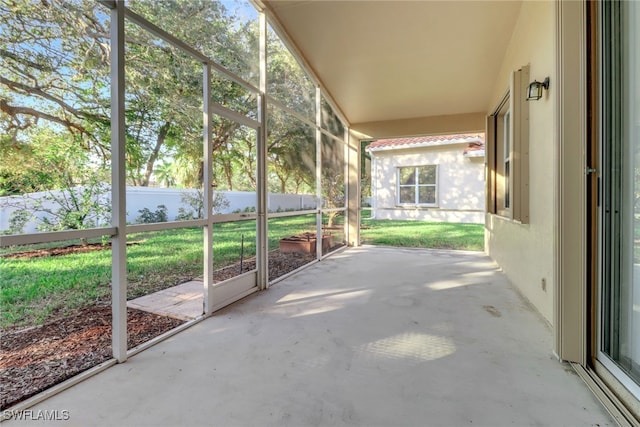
{"points": [[304, 243]]}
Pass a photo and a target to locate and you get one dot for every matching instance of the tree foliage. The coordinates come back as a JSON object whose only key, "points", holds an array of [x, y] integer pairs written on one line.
{"points": [[55, 161], [55, 98], [291, 154], [55, 68], [195, 203]]}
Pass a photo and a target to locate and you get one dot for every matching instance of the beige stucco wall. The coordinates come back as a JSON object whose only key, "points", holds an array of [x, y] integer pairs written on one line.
{"points": [[460, 184], [526, 251]]}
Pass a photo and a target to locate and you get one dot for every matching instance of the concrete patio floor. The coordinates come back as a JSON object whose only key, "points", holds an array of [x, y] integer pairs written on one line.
{"points": [[371, 336]]}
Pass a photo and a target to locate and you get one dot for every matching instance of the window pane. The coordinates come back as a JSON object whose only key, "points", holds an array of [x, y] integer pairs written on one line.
{"points": [[407, 194], [427, 194], [407, 176], [234, 249], [620, 281], [225, 31], [507, 134], [291, 162], [233, 96], [169, 261], [333, 236], [330, 120], [54, 123], [507, 199], [286, 80], [234, 166], [332, 182], [54, 296], [291, 243], [164, 125], [427, 175]]}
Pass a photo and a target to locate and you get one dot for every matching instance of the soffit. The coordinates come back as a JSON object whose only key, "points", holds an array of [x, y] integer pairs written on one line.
{"points": [[391, 60]]}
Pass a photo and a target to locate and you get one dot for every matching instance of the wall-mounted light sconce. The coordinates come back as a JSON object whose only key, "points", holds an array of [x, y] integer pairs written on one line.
{"points": [[535, 89]]}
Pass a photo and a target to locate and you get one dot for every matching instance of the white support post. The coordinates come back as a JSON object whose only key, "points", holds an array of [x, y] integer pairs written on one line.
{"points": [[355, 189], [570, 303], [262, 255], [346, 180], [208, 190], [118, 188], [319, 173]]}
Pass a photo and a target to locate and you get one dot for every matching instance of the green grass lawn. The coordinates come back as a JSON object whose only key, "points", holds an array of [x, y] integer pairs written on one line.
{"points": [[37, 289], [421, 234]]}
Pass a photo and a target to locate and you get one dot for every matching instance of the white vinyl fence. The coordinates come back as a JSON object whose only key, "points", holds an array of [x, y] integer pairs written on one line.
{"points": [[139, 198]]}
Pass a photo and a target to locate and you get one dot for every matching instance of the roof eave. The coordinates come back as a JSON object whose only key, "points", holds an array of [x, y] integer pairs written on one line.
{"points": [[428, 144]]}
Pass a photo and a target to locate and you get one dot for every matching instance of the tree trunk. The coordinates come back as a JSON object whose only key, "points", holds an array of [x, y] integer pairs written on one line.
{"points": [[162, 136], [228, 173], [201, 174], [283, 177], [330, 217]]}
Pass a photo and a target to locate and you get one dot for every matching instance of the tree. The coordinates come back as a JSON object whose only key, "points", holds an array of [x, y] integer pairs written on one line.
{"points": [[80, 204], [50, 160], [290, 142], [365, 170], [195, 205], [291, 153], [163, 103], [71, 181], [176, 115], [165, 173], [75, 208], [55, 77], [332, 182], [55, 69], [287, 81], [55, 74]]}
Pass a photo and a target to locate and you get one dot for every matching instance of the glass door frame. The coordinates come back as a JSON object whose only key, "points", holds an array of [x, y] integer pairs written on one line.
{"points": [[610, 220]]}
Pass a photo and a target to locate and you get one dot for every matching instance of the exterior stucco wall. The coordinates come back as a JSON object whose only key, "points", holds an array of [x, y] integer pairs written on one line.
{"points": [[525, 252], [460, 184]]}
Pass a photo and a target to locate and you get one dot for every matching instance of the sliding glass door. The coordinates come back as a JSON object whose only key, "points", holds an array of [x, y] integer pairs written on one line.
{"points": [[619, 288]]}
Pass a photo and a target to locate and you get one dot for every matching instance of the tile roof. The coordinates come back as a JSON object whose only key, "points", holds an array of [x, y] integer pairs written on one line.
{"points": [[426, 141]]}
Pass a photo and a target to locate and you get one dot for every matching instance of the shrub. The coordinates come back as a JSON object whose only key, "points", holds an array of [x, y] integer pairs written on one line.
{"points": [[195, 205], [17, 221], [148, 217], [70, 208]]}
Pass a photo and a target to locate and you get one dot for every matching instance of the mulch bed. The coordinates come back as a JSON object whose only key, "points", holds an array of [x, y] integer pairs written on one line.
{"points": [[279, 265], [65, 250], [36, 358]]}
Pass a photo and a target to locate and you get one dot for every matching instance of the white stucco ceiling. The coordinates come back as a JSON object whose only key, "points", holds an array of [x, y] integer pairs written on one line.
{"points": [[387, 60]]}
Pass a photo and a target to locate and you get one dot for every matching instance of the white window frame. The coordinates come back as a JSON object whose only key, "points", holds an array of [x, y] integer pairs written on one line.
{"points": [[508, 150], [506, 127], [416, 186]]}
